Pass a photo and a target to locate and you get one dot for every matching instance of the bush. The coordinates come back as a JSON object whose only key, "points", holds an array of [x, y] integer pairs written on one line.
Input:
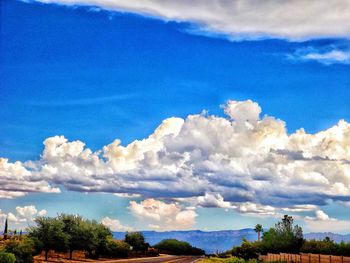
{"points": [[223, 260], [22, 249], [326, 247], [176, 247], [247, 250], [7, 257], [116, 249], [137, 241]]}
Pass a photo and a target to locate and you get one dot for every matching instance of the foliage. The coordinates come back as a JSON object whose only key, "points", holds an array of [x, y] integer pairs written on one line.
{"points": [[258, 229], [247, 250], [6, 229], [284, 237], [69, 232], [7, 257], [73, 227], [136, 240], [326, 247], [116, 249], [100, 235], [49, 234], [176, 247], [84, 234], [22, 249], [223, 260]]}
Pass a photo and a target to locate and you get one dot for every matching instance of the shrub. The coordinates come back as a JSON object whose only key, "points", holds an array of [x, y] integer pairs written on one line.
{"points": [[326, 247], [247, 250], [7, 257], [137, 241], [116, 249], [22, 249], [177, 247]]}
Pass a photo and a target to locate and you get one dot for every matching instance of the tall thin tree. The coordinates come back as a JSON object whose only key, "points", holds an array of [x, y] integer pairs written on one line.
{"points": [[258, 229], [6, 229]]}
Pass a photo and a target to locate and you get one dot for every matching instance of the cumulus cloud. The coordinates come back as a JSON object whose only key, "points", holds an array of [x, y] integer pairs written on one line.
{"points": [[17, 179], [163, 216], [244, 161], [115, 224], [23, 216], [322, 222], [242, 19]]}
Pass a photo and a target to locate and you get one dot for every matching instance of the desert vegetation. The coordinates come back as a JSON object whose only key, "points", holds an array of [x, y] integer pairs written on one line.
{"points": [[284, 237], [176, 247], [69, 233]]}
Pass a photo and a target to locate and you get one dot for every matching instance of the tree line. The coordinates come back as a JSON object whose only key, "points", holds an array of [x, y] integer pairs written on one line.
{"points": [[285, 237], [69, 233]]}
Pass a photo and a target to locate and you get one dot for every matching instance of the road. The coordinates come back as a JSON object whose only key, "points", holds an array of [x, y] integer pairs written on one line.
{"points": [[161, 259]]}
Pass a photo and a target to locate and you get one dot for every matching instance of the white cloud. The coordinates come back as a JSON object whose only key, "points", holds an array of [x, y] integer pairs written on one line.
{"points": [[256, 209], [320, 216], [244, 161], [300, 208], [17, 179], [327, 55], [29, 212], [114, 224], [163, 216], [242, 19], [323, 223], [10, 194], [212, 200], [23, 216]]}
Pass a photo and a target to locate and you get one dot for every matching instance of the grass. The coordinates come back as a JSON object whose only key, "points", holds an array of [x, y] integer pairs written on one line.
{"points": [[222, 260]]}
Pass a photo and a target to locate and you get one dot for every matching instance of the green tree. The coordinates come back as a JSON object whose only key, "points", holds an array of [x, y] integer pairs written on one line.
{"points": [[258, 229], [136, 240], [6, 229], [284, 237], [247, 250], [100, 236], [116, 248], [75, 229], [176, 247], [48, 234]]}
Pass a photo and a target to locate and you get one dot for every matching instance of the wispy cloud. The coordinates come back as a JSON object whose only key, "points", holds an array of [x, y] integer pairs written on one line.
{"points": [[327, 57], [335, 53], [242, 19]]}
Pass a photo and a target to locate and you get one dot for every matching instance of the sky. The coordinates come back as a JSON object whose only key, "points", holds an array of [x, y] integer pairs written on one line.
{"points": [[151, 115]]}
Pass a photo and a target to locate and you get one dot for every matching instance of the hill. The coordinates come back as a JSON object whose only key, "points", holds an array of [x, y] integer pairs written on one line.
{"points": [[212, 241], [320, 236]]}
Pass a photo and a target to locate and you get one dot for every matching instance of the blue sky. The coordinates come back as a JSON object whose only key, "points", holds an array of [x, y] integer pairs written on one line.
{"points": [[97, 75]]}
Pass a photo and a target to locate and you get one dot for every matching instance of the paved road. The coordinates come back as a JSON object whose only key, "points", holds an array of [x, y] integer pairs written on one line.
{"points": [[161, 259]]}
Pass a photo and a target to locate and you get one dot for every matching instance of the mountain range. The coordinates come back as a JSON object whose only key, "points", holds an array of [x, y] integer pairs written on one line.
{"points": [[219, 241]]}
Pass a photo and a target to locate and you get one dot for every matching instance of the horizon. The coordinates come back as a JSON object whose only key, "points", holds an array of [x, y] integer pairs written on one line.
{"points": [[154, 116]]}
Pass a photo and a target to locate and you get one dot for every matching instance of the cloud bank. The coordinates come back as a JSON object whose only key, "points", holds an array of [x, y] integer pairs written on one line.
{"points": [[242, 19], [115, 224], [241, 161], [22, 218], [159, 215]]}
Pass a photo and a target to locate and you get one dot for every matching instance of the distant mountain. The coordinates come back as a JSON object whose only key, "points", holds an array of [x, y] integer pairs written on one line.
{"points": [[212, 241], [320, 236]]}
